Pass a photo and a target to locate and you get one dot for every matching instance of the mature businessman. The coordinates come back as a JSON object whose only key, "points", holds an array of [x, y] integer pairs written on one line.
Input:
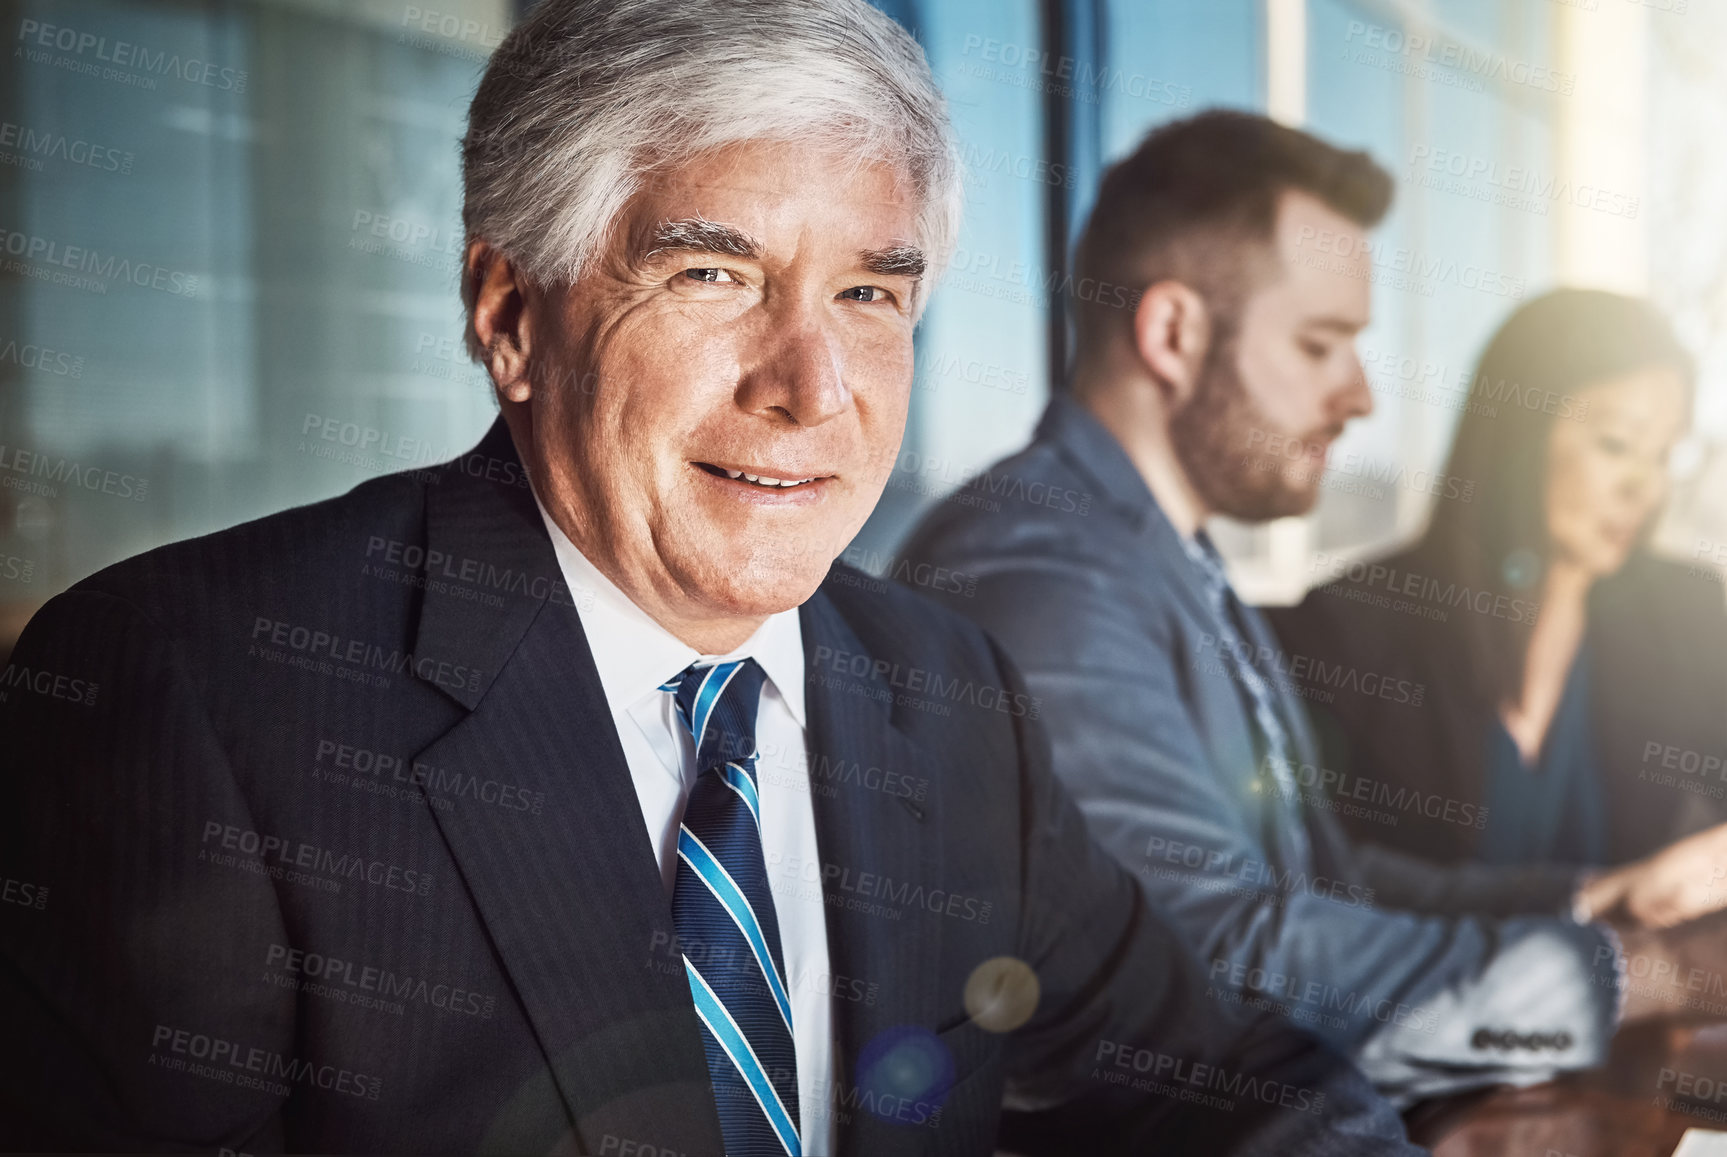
{"points": [[550, 801], [1217, 390]]}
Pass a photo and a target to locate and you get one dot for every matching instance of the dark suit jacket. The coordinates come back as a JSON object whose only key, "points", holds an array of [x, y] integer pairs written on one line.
{"points": [[1438, 978], [1658, 700], [330, 845]]}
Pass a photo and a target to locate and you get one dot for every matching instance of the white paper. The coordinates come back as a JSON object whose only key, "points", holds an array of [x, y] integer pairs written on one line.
{"points": [[1702, 1143]]}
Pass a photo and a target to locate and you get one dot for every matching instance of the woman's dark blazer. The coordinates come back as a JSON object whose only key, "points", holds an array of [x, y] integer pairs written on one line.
{"points": [[1397, 713]]}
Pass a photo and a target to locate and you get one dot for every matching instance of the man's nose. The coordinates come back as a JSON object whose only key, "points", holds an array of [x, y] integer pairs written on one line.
{"points": [[1355, 400], [799, 373]]}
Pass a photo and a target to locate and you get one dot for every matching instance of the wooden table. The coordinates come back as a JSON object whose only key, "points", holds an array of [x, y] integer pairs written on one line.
{"points": [[1629, 1108]]}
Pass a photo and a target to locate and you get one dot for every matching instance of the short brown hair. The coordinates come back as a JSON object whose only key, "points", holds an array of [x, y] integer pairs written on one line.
{"points": [[1197, 195]]}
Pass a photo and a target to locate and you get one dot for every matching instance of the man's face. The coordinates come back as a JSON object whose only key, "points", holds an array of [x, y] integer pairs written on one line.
{"points": [[751, 316], [1280, 382]]}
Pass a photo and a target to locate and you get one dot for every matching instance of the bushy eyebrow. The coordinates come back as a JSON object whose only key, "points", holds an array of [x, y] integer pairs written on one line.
{"points": [[698, 235], [896, 261]]}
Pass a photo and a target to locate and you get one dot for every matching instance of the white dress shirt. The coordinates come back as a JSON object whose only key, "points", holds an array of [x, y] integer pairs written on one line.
{"points": [[634, 655]]}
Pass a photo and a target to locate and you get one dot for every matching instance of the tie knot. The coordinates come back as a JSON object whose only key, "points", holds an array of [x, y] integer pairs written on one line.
{"points": [[717, 704]]}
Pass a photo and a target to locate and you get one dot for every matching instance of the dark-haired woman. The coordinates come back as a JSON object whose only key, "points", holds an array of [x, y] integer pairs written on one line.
{"points": [[1566, 688]]}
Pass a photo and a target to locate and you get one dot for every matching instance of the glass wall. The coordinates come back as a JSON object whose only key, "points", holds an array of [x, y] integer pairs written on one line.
{"points": [[982, 345], [1426, 90], [229, 282]]}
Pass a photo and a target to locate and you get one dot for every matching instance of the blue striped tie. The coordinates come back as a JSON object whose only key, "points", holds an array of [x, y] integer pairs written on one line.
{"points": [[724, 915]]}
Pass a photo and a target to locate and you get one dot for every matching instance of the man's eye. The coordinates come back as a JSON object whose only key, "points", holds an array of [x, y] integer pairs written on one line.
{"points": [[1318, 351], [865, 293], [710, 274]]}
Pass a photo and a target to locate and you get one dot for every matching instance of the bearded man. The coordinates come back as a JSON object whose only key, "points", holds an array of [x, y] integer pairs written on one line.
{"points": [[1215, 387]]}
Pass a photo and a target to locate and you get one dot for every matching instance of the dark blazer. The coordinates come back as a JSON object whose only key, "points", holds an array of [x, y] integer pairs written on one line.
{"points": [[1063, 554], [1657, 636], [318, 835]]}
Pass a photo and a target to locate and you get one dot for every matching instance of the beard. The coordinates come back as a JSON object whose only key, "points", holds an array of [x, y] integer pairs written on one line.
{"points": [[1211, 437]]}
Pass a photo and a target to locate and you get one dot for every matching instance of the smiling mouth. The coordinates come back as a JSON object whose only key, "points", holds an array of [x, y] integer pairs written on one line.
{"points": [[764, 481]]}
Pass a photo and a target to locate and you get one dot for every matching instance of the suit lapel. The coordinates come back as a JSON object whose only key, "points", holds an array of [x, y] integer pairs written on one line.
{"points": [[569, 889], [868, 835], [563, 875]]}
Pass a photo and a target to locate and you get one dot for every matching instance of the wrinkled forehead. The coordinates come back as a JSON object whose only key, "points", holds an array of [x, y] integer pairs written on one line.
{"points": [[757, 199]]}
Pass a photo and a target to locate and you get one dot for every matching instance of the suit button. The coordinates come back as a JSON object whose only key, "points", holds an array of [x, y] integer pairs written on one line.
{"points": [[1562, 1040], [1483, 1038]]}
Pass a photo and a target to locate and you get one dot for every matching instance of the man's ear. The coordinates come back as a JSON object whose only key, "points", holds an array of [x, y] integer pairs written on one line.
{"points": [[501, 321], [1172, 332]]}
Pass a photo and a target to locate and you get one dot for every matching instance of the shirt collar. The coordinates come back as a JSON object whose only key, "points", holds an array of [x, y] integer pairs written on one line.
{"points": [[1204, 555], [634, 654], [1095, 453]]}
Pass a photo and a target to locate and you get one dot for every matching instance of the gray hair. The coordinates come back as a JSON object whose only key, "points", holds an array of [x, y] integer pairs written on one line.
{"points": [[586, 98]]}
